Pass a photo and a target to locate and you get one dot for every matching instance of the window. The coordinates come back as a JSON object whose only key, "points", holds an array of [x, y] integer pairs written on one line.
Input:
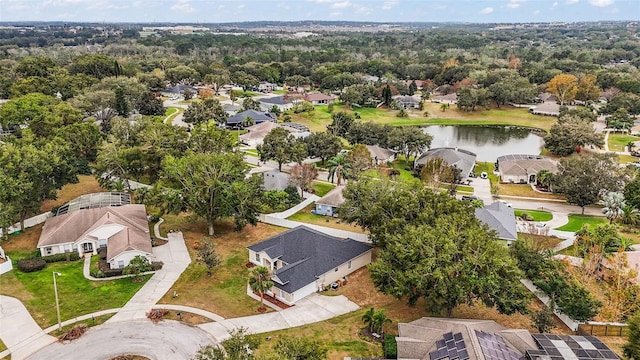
{"points": [[48, 250], [120, 264], [336, 269], [349, 265], [257, 257]]}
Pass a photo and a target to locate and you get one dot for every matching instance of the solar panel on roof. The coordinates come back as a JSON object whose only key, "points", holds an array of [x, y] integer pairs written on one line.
{"points": [[581, 347]]}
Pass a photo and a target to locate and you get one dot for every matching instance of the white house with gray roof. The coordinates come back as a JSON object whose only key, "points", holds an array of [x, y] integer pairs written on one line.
{"points": [[303, 261], [462, 159], [501, 218]]}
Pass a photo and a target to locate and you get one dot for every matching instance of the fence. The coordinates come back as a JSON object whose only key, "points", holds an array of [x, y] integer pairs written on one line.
{"points": [[33, 221], [603, 329]]}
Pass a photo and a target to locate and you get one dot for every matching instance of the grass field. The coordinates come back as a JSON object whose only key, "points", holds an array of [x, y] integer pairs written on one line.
{"points": [[321, 188], [306, 216], [618, 142], [87, 184], [318, 119], [223, 293], [525, 190], [537, 215], [576, 221], [77, 295]]}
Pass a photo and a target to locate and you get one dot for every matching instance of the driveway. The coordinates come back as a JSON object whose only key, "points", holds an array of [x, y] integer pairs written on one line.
{"points": [[18, 330], [166, 340], [176, 258], [313, 308]]}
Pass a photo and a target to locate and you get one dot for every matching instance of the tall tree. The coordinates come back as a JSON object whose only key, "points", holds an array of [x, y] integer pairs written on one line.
{"points": [[339, 167], [121, 104], [279, 145], [360, 159], [341, 123], [431, 246], [583, 176], [632, 347], [564, 87], [588, 89], [149, 104], [201, 112], [207, 254], [260, 281], [213, 186], [323, 145], [250, 104], [570, 134], [239, 346], [302, 175], [410, 141]]}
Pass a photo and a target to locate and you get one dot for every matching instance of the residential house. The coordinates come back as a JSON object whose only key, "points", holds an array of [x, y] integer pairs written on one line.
{"points": [[239, 119], [5, 262], [462, 339], [380, 155], [462, 159], [231, 109], [123, 230], [523, 168], [407, 102], [257, 133], [548, 108], [303, 261], [445, 99], [500, 218], [371, 79], [328, 205], [179, 90], [319, 99], [282, 102], [275, 180], [266, 87], [419, 83]]}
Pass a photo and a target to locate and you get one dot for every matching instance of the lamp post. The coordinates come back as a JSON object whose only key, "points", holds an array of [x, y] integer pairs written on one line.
{"points": [[55, 290]]}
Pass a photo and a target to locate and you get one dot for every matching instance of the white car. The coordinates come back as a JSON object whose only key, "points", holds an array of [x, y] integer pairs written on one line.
{"points": [[506, 203]]}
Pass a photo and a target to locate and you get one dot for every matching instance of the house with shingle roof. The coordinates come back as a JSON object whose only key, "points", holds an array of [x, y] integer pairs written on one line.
{"points": [[303, 261], [258, 117], [380, 155], [328, 204], [462, 159], [123, 230], [523, 168], [319, 99], [501, 218]]}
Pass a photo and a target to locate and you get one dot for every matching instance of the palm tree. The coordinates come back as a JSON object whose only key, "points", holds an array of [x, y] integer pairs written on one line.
{"points": [[630, 215], [544, 178], [379, 319], [443, 107], [368, 318], [339, 167], [260, 281], [613, 204], [631, 145]]}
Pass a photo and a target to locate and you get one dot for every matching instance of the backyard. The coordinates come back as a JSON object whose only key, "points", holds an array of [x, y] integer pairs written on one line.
{"points": [[86, 184], [306, 216]]}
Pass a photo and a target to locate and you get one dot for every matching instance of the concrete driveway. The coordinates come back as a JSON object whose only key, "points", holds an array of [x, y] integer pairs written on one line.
{"points": [[166, 340], [18, 330], [313, 308]]}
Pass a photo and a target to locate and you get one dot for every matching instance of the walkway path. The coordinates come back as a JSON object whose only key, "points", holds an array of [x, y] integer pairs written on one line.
{"points": [[313, 308], [289, 212], [19, 331]]}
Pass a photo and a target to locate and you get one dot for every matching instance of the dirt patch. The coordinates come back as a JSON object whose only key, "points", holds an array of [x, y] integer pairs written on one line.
{"points": [[187, 317], [87, 184], [130, 357]]}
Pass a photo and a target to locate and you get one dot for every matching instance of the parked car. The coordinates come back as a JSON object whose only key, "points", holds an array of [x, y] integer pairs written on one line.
{"points": [[470, 197], [505, 202]]}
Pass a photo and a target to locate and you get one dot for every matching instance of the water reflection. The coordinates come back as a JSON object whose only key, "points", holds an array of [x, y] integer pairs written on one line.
{"points": [[488, 142]]}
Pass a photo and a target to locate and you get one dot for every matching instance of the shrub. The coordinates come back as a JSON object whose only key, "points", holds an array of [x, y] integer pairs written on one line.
{"points": [[69, 256], [96, 273], [390, 347], [526, 217], [402, 113], [31, 265], [156, 265]]}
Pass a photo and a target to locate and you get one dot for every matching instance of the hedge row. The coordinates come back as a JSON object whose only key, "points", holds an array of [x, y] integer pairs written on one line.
{"points": [[390, 347], [31, 264], [69, 256]]}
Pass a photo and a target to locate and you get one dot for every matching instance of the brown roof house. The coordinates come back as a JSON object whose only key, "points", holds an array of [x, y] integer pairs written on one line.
{"points": [[319, 99], [462, 339], [523, 168], [123, 230], [328, 205]]}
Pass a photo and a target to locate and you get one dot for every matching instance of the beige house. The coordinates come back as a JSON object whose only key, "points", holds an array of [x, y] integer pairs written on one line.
{"points": [[380, 155], [303, 261], [523, 168], [123, 230]]}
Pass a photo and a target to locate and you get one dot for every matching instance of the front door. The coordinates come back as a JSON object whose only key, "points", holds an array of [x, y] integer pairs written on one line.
{"points": [[87, 247]]}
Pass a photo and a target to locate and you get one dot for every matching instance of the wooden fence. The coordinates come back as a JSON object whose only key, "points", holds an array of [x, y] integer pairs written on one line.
{"points": [[603, 329]]}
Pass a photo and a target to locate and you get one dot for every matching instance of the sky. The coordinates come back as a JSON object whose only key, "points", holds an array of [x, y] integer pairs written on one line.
{"points": [[216, 11]]}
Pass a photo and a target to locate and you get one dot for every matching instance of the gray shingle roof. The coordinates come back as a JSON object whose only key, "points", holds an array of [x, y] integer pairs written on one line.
{"points": [[275, 180], [277, 100], [499, 217], [462, 159], [308, 254], [333, 197], [257, 116]]}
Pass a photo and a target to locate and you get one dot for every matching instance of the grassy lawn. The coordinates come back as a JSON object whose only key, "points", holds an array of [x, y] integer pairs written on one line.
{"points": [[618, 142], [235, 134], [77, 295], [537, 215], [252, 152], [627, 159], [488, 168], [318, 119], [576, 221], [223, 293], [171, 114], [97, 320], [306, 216], [87, 184], [525, 190], [321, 188]]}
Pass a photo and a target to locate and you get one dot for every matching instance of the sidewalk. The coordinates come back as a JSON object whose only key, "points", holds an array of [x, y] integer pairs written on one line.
{"points": [[19, 331]]}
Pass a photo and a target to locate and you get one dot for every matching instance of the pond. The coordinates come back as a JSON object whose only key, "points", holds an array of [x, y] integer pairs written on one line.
{"points": [[488, 142]]}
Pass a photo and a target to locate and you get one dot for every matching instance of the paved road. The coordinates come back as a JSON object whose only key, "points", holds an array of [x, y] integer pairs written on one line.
{"points": [[167, 340], [18, 330]]}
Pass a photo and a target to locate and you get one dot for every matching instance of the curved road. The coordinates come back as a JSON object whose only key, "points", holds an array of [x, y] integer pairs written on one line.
{"points": [[166, 340]]}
